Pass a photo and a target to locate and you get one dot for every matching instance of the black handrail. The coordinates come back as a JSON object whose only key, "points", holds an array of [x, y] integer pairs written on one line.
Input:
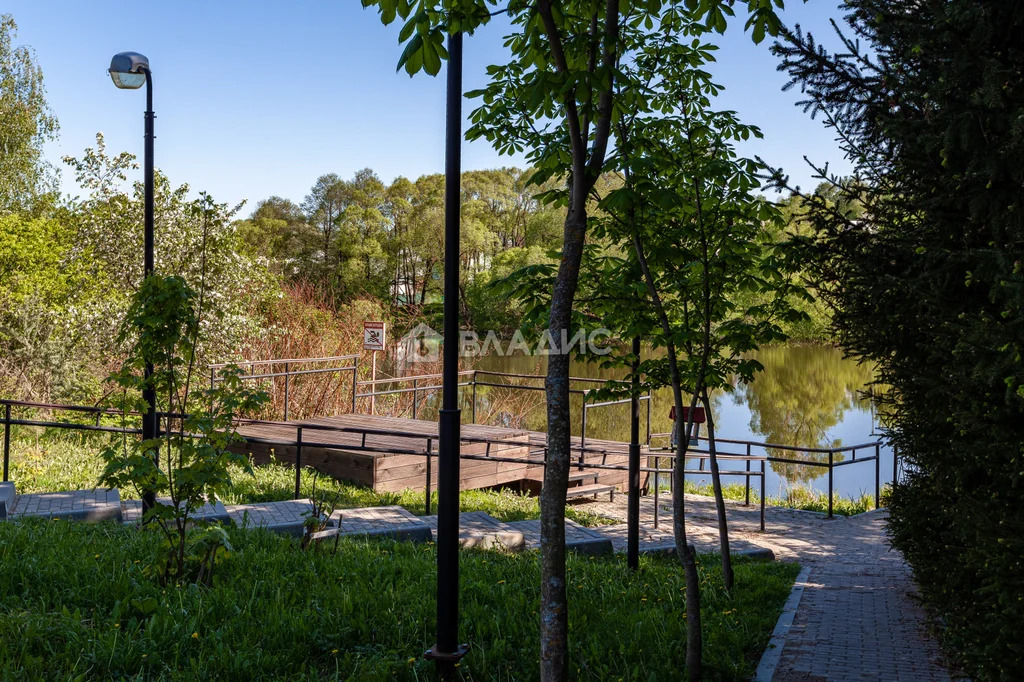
{"points": [[582, 449]]}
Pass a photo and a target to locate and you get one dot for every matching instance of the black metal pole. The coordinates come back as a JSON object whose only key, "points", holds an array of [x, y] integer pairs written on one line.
{"points": [[430, 448], [298, 462], [831, 467], [633, 501], [447, 650], [7, 440], [149, 417]]}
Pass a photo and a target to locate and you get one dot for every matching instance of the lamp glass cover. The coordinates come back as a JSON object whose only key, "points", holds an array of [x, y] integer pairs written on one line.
{"points": [[129, 81]]}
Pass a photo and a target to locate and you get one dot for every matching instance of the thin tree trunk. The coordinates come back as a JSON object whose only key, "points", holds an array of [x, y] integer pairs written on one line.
{"points": [[706, 350], [554, 606], [426, 278], [694, 637], [716, 483]]}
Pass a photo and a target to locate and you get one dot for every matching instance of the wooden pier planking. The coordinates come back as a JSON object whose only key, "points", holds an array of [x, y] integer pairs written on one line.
{"points": [[388, 466]]}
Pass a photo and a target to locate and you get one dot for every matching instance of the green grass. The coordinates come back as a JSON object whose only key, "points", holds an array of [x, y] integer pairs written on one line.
{"points": [[795, 498], [76, 604], [70, 461]]}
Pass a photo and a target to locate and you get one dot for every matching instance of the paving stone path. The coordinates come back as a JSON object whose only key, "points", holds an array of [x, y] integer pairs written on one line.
{"points": [[859, 617], [98, 504]]}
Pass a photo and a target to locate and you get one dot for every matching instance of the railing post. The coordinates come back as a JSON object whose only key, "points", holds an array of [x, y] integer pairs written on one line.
{"points": [[287, 376], [762, 495], [213, 378], [650, 398], [831, 462], [355, 381], [427, 487], [473, 408], [895, 465], [583, 424], [7, 440], [746, 494], [583, 432], [878, 459], [657, 467], [298, 460], [415, 393]]}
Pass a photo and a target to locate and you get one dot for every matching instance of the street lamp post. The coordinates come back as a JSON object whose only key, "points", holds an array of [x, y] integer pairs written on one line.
{"points": [[130, 71], [447, 651], [633, 486]]}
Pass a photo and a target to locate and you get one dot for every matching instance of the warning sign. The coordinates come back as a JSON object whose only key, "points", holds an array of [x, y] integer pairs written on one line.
{"points": [[373, 335]]}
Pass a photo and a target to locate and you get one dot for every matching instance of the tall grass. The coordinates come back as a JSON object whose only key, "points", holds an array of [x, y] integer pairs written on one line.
{"points": [[75, 603], [795, 497]]}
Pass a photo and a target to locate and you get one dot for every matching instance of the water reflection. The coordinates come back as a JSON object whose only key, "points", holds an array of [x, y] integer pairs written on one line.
{"points": [[800, 398], [807, 395]]}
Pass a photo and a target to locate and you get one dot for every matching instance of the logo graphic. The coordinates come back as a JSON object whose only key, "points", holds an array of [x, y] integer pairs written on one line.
{"points": [[420, 344], [423, 344]]}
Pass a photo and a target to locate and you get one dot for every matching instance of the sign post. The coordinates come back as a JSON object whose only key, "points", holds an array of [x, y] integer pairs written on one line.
{"points": [[374, 334]]}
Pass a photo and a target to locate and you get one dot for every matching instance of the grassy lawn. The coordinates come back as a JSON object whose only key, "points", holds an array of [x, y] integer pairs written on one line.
{"points": [[75, 603]]}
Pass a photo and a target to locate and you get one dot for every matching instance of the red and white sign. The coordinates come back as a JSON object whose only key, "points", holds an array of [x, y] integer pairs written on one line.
{"points": [[373, 335]]}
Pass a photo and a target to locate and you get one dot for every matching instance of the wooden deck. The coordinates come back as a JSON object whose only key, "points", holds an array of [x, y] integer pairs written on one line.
{"points": [[390, 454]]}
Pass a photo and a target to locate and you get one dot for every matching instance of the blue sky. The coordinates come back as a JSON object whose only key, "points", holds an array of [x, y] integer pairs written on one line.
{"points": [[260, 98]]}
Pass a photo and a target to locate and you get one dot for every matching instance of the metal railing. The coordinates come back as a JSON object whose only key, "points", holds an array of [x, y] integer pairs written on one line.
{"points": [[417, 389], [701, 455], [831, 465], [299, 443], [288, 372]]}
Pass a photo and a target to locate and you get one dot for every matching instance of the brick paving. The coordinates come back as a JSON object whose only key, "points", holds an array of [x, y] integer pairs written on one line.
{"points": [[859, 617], [91, 505], [273, 515], [574, 532], [375, 519], [131, 510], [470, 524]]}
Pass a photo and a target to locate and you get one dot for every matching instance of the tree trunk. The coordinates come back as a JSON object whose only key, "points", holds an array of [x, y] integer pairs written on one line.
{"points": [[694, 637], [426, 278], [554, 605], [716, 482]]}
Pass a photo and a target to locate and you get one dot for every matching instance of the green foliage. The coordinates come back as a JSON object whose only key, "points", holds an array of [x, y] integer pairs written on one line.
{"points": [[41, 282], [198, 427], [26, 123], [928, 284], [427, 24], [195, 240], [75, 602], [687, 239]]}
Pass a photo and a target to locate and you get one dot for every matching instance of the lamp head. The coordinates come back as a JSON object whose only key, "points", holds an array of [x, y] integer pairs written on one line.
{"points": [[128, 70]]}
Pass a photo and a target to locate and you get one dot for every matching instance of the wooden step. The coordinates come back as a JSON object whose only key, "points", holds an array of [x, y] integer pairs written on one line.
{"points": [[592, 489], [581, 476]]}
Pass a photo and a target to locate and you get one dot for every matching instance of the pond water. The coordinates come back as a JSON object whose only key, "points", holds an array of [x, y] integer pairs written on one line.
{"points": [[807, 395]]}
